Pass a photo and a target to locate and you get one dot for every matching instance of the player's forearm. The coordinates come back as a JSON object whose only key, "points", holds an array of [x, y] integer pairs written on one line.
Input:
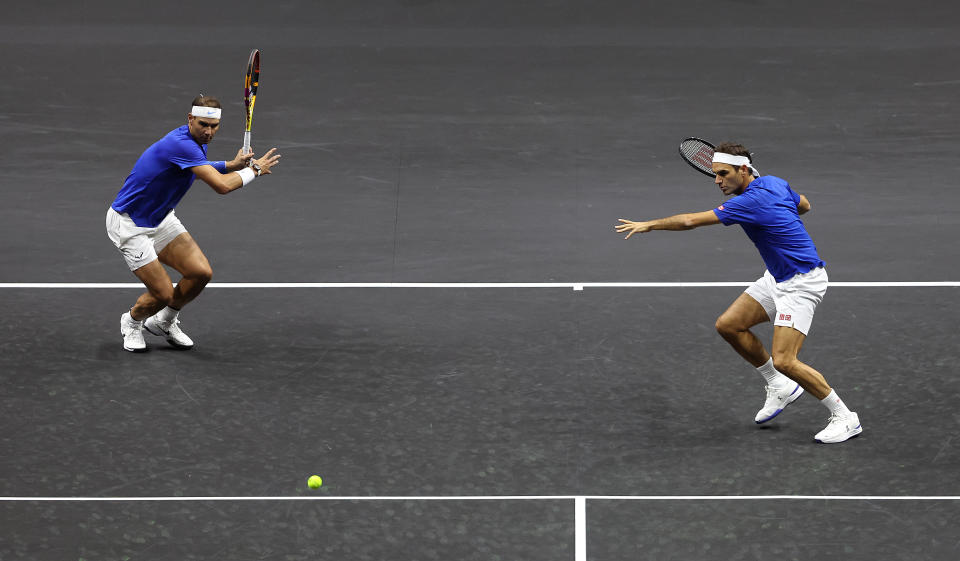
{"points": [[675, 222], [227, 183], [235, 165], [224, 183], [234, 181]]}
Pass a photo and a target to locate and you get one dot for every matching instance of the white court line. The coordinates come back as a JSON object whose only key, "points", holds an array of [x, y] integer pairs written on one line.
{"points": [[580, 529], [500, 498], [574, 285]]}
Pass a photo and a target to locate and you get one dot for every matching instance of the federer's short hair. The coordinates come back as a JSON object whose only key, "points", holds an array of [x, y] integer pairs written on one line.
{"points": [[206, 101]]}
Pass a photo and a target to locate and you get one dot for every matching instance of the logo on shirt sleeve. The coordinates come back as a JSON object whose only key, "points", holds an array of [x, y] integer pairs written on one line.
{"points": [[720, 207]]}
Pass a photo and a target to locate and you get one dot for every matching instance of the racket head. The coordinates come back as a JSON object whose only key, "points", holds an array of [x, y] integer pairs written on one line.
{"points": [[250, 85], [699, 154]]}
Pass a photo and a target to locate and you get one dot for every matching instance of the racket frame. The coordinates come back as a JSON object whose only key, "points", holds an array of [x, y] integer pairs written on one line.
{"points": [[703, 166], [250, 85]]}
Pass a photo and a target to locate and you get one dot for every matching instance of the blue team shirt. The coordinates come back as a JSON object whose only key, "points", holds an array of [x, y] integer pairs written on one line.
{"points": [[767, 212], [161, 177]]}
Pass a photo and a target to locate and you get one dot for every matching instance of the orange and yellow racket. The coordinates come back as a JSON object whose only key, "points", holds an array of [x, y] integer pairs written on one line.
{"points": [[250, 95]]}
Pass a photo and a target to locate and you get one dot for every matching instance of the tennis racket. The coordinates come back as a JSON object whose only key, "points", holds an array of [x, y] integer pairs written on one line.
{"points": [[699, 154], [250, 85]]}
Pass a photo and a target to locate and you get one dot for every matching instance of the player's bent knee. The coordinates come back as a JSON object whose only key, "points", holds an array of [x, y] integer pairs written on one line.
{"points": [[163, 295], [199, 275], [785, 363], [204, 275], [727, 328]]}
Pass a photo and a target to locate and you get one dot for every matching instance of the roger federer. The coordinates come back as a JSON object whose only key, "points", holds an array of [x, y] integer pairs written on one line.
{"points": [[793, 285], [142, 224]]}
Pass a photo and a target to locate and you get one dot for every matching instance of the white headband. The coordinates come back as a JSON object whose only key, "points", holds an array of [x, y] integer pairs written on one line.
{"points": [[208, 112], [737, 161], [724, 158]]}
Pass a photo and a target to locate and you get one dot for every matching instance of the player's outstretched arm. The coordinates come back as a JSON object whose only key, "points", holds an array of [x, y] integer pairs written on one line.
{"points": [[676, 222], [804, 205]]}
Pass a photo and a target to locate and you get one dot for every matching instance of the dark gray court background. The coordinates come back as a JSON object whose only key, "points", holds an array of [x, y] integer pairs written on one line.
{"points": [[477, 142]]}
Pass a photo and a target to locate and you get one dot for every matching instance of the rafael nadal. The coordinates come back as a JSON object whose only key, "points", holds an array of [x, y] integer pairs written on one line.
{"points": [[794, 283], [142, 224]]}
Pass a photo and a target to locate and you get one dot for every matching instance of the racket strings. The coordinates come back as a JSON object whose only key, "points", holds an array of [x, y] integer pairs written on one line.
{"points": [[698, 154], [251, 83]]}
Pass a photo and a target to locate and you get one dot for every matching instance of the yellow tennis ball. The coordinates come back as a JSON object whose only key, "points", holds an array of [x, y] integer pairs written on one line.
{"points": [[314, 482]]}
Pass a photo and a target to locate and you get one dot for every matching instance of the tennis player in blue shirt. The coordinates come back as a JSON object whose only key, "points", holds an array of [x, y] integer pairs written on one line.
{"points": [[794, 283], [142, 224]]}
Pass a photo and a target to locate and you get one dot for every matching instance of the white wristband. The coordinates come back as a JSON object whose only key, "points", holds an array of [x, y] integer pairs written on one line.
{"points": [[247, 175]]}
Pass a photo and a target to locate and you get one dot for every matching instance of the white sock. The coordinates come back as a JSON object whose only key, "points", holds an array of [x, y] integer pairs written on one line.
{"points": [[167, 314], [772, 375], [131, 321], [835, 404]]}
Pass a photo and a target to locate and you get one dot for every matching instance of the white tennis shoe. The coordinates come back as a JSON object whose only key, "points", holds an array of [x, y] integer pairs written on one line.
{"points": [[777, 401], [132, 333], [840, 428], [170, 330]]}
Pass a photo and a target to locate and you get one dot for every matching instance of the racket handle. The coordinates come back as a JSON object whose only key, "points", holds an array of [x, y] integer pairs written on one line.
{"points": [[246, 143]]}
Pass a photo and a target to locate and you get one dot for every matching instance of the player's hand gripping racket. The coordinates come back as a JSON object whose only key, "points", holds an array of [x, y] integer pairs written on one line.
{"points": [[250, 95], [699, 154]]}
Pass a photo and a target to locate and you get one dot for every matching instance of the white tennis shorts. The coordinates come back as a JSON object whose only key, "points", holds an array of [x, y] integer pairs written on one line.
{"points": [[791, 303], [139, 246]]}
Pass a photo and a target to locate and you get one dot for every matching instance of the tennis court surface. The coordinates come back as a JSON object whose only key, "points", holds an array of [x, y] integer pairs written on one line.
{"points": [[427, 303]]}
